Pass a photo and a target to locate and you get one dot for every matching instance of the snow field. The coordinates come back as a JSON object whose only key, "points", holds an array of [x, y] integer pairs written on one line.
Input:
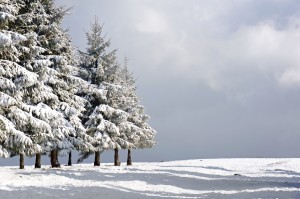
{"points": [[208, 178]]}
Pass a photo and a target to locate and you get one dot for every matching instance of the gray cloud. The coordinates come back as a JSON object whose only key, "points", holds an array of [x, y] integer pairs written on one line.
{"points": [[219, 78]]}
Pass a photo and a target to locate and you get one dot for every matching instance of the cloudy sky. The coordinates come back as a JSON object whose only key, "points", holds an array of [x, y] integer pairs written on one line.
{"points": [[218, 78]]}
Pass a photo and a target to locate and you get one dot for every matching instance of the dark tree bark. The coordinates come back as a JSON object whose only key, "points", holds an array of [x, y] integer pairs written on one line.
{"points": [[54, 159], [38, 161], [97, 158], [117, 161], [21, 161], [70, 159], [129, 162]]}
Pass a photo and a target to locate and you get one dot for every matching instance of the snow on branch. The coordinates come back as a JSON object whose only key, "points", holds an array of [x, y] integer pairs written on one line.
{"points": [[14, 136], [6, 100], [23, 119], [6, 16], [9, 37], [11, 69]]}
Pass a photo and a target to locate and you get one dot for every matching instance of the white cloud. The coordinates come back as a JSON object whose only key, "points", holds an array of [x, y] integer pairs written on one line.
{"points": [[290, 77], [209, 41], [262, 47], [268, 50], [150, 21]]}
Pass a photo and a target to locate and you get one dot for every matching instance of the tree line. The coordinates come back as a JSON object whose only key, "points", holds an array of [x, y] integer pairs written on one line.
{"points": [[54, 98]]}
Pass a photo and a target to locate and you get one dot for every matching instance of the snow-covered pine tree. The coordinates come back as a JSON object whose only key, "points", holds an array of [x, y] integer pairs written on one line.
{"points": [[116, 91], [135, 131], [118, 121], [102, 117], [55, 66], [16, 121], [39, 110]]}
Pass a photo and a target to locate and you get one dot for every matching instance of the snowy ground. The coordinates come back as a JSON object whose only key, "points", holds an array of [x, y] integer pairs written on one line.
{"points": [[208, 178]]}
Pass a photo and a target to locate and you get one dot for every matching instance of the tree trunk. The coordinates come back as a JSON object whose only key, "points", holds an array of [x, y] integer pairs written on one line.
{"points": [[38, 161], [54, 159], [70, 159], [21, 161], [117, 161], [129, 162], [97, 158]]}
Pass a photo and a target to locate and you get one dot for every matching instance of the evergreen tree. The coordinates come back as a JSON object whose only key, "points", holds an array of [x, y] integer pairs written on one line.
{"points": [[100, 67], [47, 104], [118, 121], [54, 65], [135, 131], [39, 101], [14, 78]]}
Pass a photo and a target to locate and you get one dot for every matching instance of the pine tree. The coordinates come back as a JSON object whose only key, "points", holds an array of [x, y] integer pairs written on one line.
{"points": [[14, 78], [55, 67], [100, 67], [38, 101], [135, 131], [45, 100], [117, 121]]}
